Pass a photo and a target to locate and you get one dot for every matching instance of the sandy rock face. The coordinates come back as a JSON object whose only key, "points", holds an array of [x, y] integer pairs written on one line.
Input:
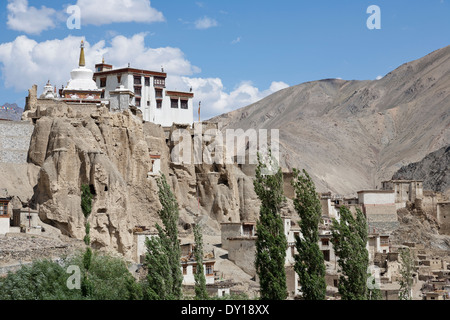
{"points": [[107, 152], [110, 152]]}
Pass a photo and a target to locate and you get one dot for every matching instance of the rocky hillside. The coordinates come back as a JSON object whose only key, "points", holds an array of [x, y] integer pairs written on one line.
{"points": [[111, 152], [434, 170], [10, 112], [351, 135]]}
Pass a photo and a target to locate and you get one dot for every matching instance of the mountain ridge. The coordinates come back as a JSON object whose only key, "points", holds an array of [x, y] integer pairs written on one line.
{"points": [[353, 134], [10, 112]]}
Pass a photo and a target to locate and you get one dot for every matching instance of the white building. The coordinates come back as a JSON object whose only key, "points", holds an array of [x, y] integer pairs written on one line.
{"points": [[157, 104], [5, 215], [189, 265]]}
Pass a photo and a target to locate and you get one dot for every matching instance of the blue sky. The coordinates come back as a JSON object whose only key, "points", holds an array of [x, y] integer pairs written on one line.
{"points": [[231, 52]]}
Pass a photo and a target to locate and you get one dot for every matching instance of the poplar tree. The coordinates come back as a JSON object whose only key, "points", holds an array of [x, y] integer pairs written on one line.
{"points": [[163, 256], [86, 208], [349, 238], [199, 276], [271, 243], [406, 272], [309, 262]]}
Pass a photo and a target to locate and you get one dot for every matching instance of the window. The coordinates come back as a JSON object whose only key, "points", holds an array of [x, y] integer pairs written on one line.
{"points": [[326, 255], [138, 91], [184, 104], [184, 270], [194, 269], [158, 104], [248, 230], [159, 93], [148, 103], [102, 82], [159, 82], [119, 79], [174, 103], [325, 242], [209, 270], [147, 81], [137, 80], [3, 208], [138, 102]]}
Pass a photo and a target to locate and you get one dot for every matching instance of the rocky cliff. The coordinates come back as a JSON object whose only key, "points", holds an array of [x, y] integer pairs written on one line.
{"points": [[111, 153], [434, 170]]}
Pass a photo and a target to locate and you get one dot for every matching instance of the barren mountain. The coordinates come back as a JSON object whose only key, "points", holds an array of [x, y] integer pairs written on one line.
{"points": [[351, 135], [10, 112]]}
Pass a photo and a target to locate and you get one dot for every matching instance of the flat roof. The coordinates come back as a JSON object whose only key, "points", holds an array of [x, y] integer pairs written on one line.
{"points": [[402, 181], [179, 94], [376, 191], [131, 70]]}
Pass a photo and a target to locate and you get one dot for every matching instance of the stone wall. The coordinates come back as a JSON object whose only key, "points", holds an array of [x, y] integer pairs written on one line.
{"points": [[229, 230], [242, 252], [443, 209], [14, 141]]}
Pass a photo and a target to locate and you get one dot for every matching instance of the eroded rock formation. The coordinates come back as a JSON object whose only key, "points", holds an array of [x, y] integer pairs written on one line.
{"points": [[111, 153]]}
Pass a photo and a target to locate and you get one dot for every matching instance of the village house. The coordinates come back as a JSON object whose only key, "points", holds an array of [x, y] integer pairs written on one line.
{"points": [[443, 217], [404, 191], [379, 208], [189, 265], [5, 215], [141, 234]]}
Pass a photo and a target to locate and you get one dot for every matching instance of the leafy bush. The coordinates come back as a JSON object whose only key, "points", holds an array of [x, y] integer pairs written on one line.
{"points": [[108, 278]]}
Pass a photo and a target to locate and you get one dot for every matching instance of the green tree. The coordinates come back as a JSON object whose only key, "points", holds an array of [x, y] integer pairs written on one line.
{"points": [[406, 271], [86, 200], [200, 279], [109, 277], [309, 262], [42, 280], [373, 287], [163, 256], [349, 238], [86, 207], [271, 243]]}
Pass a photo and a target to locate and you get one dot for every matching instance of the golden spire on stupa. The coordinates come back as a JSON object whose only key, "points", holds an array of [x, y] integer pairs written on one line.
{"points": [[82, 59]]}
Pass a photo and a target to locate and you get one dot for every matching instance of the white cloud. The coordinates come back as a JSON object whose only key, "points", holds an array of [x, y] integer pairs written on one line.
{"points": [[27, 19], [96, 12], [24, 62], [132, 50], [215, 98], [236, 41], [205, 23], [379, 78]]}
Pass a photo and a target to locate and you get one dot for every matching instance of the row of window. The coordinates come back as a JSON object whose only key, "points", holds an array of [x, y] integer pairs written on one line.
{"points": [[209, 269], [157, 82], [173, 103], [158, 92]]}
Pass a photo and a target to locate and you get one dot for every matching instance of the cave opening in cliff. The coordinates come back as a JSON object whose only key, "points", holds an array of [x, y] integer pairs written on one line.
{"points": [[92, 189]]}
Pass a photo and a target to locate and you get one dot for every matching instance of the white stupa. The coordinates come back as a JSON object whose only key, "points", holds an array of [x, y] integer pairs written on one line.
{"points": [[49, 92], [82, 85]]}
